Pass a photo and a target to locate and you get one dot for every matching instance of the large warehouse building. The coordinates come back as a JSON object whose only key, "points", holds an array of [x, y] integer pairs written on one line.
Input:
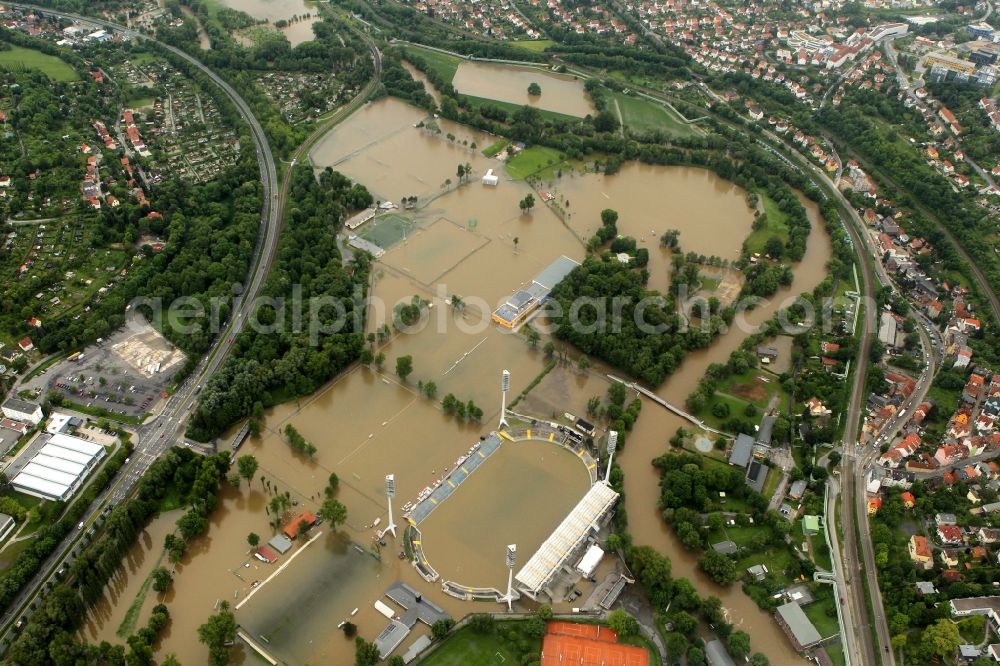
{"points": [[59, 467]]}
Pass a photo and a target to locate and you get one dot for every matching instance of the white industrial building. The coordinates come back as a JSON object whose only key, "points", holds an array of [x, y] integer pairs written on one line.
{"points": [[567, 541], [59, 467], [6, 525], [22, 410], [490, 178]]}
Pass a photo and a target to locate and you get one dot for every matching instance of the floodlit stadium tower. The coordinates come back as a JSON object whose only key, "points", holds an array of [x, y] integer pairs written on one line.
{"points": [[504, 387], [390, 491]]}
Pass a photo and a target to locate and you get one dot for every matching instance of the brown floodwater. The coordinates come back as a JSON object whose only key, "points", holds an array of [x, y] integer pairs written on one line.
{"points": [[465, 539], [203, 40], [420, 76], [275, 10], [561, 93], [710, 212], [106, 616], [366, 424]]}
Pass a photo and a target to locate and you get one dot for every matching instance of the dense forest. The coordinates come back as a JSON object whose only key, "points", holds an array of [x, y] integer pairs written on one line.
{"points": [[265, 368], [614, 335]]}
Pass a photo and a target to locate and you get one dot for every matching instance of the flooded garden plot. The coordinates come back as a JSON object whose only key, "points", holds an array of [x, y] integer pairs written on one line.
{"points": [[381, 147], [711, 213], [561, 93], [435, 249]]}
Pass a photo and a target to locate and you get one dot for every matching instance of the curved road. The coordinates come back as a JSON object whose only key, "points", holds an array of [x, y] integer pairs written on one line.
{"points": [[162, 432], [158, 435]]}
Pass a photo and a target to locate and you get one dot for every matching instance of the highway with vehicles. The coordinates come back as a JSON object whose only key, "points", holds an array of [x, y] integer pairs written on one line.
{"points": [[161, 433]]}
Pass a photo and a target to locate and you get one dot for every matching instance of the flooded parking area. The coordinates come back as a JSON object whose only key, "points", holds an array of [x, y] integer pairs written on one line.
{"points": [[471, 241], [561, 93]]}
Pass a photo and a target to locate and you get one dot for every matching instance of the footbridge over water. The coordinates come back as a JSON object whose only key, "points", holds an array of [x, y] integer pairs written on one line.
{"points": [[670, 407]]}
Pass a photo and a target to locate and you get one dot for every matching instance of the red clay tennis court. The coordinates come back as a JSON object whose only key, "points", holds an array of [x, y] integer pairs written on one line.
{"points": [[569, 644], [591, 631]]}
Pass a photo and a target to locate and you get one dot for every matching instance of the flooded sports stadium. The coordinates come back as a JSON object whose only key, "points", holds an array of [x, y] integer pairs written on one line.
{"points": [[441, 239]]}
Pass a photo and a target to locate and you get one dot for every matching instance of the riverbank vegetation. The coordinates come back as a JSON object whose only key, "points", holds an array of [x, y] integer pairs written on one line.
{"points": [[50, 634], [651, 351]]}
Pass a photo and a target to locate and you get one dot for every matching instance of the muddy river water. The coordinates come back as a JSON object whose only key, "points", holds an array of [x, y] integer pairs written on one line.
{"points": [[366, 423], [299, 28]]}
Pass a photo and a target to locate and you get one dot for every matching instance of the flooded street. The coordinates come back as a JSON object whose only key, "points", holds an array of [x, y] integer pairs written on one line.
{"points": [[561, 93], [368, 423]]}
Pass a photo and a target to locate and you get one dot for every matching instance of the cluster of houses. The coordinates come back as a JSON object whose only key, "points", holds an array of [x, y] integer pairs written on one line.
{"points": [[950, 545], [584, 19], [488, 18], [737, 36], [132, 132]]}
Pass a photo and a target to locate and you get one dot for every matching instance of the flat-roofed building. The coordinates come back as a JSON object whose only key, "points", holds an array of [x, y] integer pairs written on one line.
{"points": [[523, 302], [6, 525], [59, 467], [797, 626], [22, 410]]}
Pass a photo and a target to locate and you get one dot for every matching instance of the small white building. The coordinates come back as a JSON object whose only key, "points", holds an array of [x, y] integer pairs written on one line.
{"points": [[590, 560], [490, 178], [22, 410]]}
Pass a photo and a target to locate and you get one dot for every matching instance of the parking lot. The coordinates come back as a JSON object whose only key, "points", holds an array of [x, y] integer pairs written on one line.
{"points": [[127, 374]]}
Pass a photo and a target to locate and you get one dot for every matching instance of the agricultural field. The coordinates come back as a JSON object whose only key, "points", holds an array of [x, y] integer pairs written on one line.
{"points": [[445, 65]]}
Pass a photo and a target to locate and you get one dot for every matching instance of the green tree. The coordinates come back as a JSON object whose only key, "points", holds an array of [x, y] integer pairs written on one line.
{"points": [[624, 624], [216, 633], [396, 660], [253, 539], [534, 89], [534, 337], [941, 639], [758, 659], [482, 623], [161, 579], [430, 390], [404, 366], [333, 512], [738, 644], [441, 628], [247, 466], [365, 654]]}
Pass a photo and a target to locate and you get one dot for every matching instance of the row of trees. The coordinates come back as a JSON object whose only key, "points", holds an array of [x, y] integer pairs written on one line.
{"points": [[50, 635]]}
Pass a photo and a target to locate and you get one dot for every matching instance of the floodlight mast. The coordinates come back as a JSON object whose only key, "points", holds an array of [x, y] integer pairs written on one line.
{"points": [[390, 492], [511, 561], [504, 387], [612, 446]]}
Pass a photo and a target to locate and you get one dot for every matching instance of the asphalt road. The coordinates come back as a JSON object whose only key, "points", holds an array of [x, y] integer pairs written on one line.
{"points": [[162, 432], [152, 439]]}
